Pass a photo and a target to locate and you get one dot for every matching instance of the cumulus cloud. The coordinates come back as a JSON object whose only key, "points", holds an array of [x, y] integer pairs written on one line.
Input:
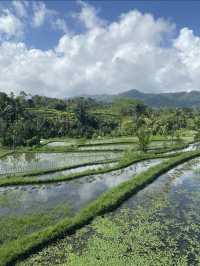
{"points": [[129, 53], [188, 47]]}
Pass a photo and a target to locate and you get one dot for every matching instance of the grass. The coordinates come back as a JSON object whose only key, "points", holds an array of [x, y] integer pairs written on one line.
{"points": [[17, 226], [107, 140], [168, 146], [110, 200], [58, 169], [73, 148], [128, 159], [4, 152]]}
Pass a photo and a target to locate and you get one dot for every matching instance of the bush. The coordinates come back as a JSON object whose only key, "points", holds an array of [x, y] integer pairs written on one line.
{"points": [[33, 141]]}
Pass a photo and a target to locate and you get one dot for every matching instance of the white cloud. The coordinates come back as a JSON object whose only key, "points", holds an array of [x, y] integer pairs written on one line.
{"points": [[41, 13], [20, 8], [10, 25], [59, 24], [89, 15], [107, 58]]}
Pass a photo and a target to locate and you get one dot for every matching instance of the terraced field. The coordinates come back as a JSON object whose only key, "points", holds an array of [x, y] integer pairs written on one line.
{"points": [[30, 161], [44, 194], [161, 222]]}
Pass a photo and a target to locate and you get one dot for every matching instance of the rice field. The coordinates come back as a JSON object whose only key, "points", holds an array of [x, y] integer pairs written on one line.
{"points": [[22, 201], [155, 222], [161, 222], [31, 161]]}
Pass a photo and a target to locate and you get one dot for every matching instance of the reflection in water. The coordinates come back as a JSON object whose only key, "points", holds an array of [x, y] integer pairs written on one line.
{"points": [[191, 147], [77, 192], [27, 162], [109, 147], [157, 226], [60, 143], [169, 209], [74, 171]]}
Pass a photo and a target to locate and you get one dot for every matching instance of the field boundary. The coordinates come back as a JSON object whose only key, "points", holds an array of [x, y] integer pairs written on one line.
{"points": [[58, 169], [110, 200], [27, 180]]}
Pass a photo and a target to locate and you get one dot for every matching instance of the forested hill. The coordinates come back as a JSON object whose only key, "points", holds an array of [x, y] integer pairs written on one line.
{"points": [[178, 99], [26, 119]]}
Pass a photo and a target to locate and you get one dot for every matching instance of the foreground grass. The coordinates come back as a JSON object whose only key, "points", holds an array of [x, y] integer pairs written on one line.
{"points": [[17, 226], [110, 200]]}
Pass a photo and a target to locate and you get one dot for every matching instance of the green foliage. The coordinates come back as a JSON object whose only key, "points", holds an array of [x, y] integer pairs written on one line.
{"points": [[26, 118], [143, 132], [144, 137]]}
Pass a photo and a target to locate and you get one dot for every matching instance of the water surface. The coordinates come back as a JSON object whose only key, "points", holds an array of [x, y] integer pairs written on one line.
{"points": [[74, 171], [77, 193], [160, 225], [27, 162]]}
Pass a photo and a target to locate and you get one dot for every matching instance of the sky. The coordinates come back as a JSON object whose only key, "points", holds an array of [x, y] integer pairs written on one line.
{"points": [[70, 48]]}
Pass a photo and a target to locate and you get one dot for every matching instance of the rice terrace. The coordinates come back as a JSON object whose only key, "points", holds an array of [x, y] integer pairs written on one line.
{"points": [[99, 133]]}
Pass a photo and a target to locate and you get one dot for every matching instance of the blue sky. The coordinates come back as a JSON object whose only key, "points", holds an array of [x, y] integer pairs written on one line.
{"points": [[182, 13], [67, 48]]}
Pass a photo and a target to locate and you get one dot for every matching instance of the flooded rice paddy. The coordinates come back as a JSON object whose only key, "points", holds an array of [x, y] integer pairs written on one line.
{"points": [[102, 145], [26, 201], [75, 170], [160, 225], [109, 147], [151, 228], [77, 193], [190, 147], [60, 143], [28, 162]]}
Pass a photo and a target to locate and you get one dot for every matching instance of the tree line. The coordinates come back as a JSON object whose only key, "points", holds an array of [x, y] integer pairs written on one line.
{"points": [[25, 119]]}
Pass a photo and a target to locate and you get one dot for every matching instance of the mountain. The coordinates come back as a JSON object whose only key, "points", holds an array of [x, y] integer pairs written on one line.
{"points": [[176, 99]]}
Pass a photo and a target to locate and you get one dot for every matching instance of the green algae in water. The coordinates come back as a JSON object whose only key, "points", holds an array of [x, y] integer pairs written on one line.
{"points": [[26, 209], [158, 226]]}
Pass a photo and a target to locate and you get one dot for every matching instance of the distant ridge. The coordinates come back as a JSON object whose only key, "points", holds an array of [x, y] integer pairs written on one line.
{"points": [[176, 99]]}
